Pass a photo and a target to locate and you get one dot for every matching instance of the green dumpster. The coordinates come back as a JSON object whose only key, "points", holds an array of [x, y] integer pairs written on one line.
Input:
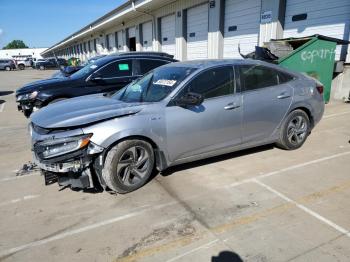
{"points": [[313, 55]]}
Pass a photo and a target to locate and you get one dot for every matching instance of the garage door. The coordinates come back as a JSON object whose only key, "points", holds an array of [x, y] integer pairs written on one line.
{"points": [[147, 36], [132, 32], [197, 32], [168, 34], [330, 18], [241, 26]]}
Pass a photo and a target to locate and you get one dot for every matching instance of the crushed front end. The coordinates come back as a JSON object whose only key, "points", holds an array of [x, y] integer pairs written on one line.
{"points": [[66, 157]]}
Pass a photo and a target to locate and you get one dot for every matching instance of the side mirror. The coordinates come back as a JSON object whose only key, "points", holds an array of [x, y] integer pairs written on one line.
{"points": [[190, 99]]}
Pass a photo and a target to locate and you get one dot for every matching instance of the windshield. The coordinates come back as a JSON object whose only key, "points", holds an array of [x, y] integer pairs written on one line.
{"points": [[89, 68], [154, 86]]}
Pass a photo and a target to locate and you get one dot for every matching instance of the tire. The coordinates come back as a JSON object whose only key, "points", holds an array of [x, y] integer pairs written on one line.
{"points": [[7, 68], [42, 67], [21, 67], [128, 166], [294, 131]]}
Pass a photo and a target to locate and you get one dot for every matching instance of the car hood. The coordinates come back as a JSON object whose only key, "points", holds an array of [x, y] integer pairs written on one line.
{"points": [[82, 111], [46, 83]]}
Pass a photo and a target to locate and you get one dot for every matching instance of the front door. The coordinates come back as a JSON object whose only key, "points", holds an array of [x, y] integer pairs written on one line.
{"points": [[213, 125], [266, 100], [112, 77]]}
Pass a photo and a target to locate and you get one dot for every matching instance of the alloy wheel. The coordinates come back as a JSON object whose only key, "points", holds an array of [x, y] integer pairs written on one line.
{"points": [[297, 130], [133, 165]]}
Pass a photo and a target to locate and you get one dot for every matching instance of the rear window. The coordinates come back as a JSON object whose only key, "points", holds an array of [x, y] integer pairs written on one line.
{"points": [[255, 77], [284, 77], [147, 65]]}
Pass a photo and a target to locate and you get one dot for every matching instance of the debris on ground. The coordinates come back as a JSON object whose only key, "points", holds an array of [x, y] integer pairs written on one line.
{"points": [[27, 169]]}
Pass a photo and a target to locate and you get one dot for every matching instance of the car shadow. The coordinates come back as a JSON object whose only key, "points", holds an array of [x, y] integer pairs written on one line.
{"points": [[171, 170], [5, 93], [227, 256]]}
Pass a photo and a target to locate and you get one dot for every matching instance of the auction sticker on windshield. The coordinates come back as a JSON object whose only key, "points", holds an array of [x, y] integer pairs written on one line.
{"points": [[165, 82]]}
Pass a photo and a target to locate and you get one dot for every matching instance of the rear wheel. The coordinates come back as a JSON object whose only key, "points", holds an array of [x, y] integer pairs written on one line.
{"points": [[294, 131], [21, 67], [7, 68], [128, 165], [42, 67]]}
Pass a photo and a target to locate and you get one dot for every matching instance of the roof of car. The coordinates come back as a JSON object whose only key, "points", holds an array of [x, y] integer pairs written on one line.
{"points": [[200, 64], [135, 54]]}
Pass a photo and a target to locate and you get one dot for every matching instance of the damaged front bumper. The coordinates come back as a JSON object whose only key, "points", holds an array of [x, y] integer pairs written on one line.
{"points": [[72, 170], [29, 105]]}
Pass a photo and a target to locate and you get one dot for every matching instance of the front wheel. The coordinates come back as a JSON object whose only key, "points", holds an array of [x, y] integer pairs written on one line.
{"points": [[128, 166], [294, 130], [42, 67], [7, 68], [21, 67]]}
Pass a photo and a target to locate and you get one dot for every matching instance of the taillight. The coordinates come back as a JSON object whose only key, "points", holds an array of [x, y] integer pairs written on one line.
{"points": [[319, 88]]}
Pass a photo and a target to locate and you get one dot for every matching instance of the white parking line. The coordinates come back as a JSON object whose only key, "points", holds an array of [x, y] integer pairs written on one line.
{"points": [[337, 114], [136, 213], [290, 168], [81, 230], [206, 245], [2, 106], [13, 201], [17, 177], [305, 209]]}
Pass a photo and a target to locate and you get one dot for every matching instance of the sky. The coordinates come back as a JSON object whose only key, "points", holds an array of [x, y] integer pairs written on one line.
{"points": [[42, 23]]}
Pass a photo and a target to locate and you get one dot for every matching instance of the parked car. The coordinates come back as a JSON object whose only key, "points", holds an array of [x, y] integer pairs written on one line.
{"points": [[66, 71], [177, 113], [69, 70], [22, 64], [36, 60], [107, 74], [50, 63], [7, 64]]}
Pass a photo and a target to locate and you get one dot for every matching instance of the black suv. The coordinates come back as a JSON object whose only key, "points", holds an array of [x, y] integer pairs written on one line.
{"points": [[50, 63], [105, 75]]}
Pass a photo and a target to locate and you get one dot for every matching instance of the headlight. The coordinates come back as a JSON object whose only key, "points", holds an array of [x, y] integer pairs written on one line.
{"points": [[33, 95], [57, 147], [28, 96]]}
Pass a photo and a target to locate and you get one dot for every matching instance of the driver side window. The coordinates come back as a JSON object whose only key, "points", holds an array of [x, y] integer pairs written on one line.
{"points": [[213, 82], [117, 69]]}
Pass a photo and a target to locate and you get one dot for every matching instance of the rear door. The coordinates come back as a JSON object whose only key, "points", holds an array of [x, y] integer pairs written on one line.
{"points": [[266, 100], [213, 125], [142, 66]]}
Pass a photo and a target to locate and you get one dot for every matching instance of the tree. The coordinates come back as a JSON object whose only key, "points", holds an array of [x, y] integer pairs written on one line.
{"points": [[15, 44]]}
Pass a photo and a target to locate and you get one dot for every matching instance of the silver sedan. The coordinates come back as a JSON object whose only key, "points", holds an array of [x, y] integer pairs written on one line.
{"points": [[177, 113]]}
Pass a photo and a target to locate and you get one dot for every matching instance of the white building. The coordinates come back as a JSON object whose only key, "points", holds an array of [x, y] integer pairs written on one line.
{"points": [[194, 29], [21, 54]]}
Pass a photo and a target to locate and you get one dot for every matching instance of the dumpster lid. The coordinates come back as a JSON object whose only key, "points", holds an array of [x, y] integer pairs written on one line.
{"points": [[322, 37]]}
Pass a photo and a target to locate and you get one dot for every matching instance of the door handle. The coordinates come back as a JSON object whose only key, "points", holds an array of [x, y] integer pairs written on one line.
{"points": [[283, 95], [231, 106]]}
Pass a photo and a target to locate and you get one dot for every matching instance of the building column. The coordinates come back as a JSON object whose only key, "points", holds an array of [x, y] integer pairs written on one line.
{"points": [[138, 36], [180, 35], [215, 28], [157, 34], [271, 20]]}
